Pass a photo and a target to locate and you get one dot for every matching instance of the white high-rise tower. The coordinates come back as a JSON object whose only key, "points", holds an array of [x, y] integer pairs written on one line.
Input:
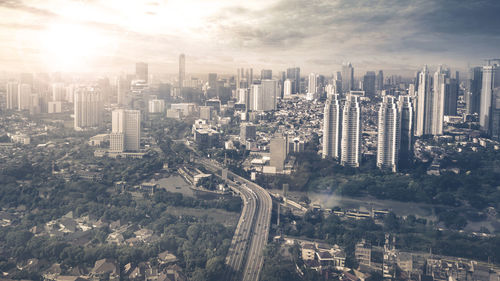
{"points": [[424, 107], [88, 108], [332, 127], [389, 134], [351, 133]]}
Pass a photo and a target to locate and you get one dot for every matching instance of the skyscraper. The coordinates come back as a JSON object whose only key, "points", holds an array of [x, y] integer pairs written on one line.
{"points": [[121, 90], [212, 79], [278, 149], [351, 133], [256, 98], [182, 70], [406, 117], [473, 95], [266, 74], [88, 108], [369, 84], [312, 83], [294, 75], [23, 96], [12, 94], [491, 81], [439, 90], [337, 82], [269, 94], [141, 71], [332, 127], [287, 88], [451, 88], [379, 81], [389, 131], [58, 92], [126, 130], [347, 77], [425, 100]]}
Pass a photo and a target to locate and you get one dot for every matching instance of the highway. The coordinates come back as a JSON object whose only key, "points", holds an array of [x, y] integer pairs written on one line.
{"points": [[245, 257]]}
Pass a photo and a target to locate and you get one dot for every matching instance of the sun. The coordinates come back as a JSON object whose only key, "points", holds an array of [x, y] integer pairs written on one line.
{"points": [[70, 47]]}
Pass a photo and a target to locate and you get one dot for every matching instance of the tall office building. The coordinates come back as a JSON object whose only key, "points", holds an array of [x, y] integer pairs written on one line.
{"points": [[287, 88], [438, 96], [332, 127], [347, 77], [256, 98], [269, 94], [379, 81], [473, 94], [369, 84], [11, 92], [495, 114], [87, 108], [141, 71], [282, 78], [23, 96], [351, 133], [406, 118], [121, 90], [425, 101], [491, 81], [278, 149], [126, 130], [451, 88], [243, 96], [266, 74], [389, 131], [337, 82], [312, 83], [58, 92], [212, 79], [294, 75], [182, 70]]}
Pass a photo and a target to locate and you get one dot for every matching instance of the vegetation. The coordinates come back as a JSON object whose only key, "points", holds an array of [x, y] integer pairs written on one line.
{"points": [[413, 235], [476, 184]]}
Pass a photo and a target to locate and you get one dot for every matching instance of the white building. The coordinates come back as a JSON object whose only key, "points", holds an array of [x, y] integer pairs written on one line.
{"points": [[389, 134], [312, 86], [58, 92], [489, 101], [256, 98], [126, 130], [12, 95], [424, 107], [54, 107], [332, 127], [156, 106], [287, 88], [87, 108], [24, 96], [351, 133]]}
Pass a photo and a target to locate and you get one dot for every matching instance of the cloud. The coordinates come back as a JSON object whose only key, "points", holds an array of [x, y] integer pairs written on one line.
{"points": [[314, 34]]}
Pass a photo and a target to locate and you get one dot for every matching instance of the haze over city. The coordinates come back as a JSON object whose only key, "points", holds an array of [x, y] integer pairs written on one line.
{"points": [[263, 140], [109, 36]]}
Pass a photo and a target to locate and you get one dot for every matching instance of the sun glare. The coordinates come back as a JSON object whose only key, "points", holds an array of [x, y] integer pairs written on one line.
{"points": [[70, 47]]}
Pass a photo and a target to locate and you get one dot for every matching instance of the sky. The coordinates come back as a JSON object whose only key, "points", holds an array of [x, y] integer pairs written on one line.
{"points": [[398, 36]]}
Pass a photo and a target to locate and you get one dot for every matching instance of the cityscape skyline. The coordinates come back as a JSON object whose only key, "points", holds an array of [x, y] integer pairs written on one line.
{"points": [[278, 140], [108, 36]]}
